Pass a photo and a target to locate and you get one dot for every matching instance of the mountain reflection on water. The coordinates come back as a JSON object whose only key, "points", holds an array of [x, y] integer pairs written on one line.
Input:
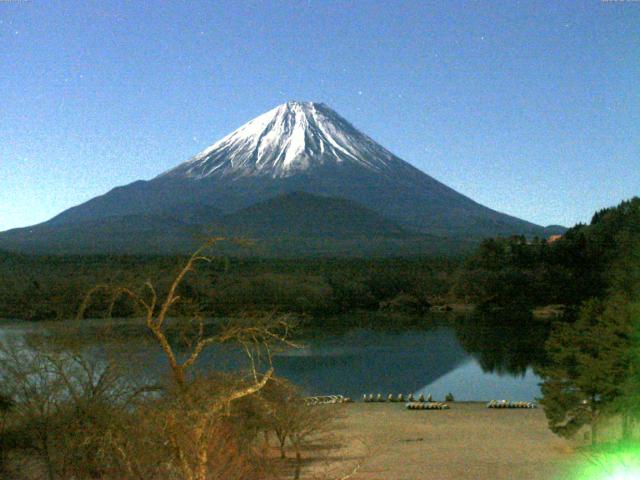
{"points": [[364, 361], [474, 360], [476, 357]]}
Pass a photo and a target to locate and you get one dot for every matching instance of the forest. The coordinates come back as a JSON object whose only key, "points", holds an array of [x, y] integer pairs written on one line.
{"points": [[52, 288], [583, 263]]}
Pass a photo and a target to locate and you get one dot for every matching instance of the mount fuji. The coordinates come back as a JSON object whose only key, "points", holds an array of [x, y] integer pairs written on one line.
{"points": [[300, 177]]}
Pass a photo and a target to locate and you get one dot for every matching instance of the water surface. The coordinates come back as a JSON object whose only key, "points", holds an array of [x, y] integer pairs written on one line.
{"points": [[359, 361]]}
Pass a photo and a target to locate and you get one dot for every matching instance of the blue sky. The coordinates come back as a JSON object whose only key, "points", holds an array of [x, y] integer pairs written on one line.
{"points": [[531, 108]]}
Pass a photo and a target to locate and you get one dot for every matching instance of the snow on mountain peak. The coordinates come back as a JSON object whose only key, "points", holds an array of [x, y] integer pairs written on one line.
{"points": [[291, 138]]}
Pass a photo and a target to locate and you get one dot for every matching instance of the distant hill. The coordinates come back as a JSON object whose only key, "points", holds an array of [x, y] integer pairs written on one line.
{"points": [[300, 214]]}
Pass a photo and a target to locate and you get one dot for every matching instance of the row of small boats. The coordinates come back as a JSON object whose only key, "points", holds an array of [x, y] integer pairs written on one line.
{"points": [[427, 406], [508, 404], [412, 403], [327, 399], [367, 398]]}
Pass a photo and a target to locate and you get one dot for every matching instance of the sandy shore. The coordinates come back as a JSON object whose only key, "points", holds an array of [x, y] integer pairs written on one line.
{"points": [[468, 441]]}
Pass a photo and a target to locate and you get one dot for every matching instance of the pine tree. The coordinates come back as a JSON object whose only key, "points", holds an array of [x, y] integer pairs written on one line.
{"points": [[589, 367]]}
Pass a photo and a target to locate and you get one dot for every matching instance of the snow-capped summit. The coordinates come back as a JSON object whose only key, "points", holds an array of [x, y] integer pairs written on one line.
{"points": [[291, 138], [296, 171]]}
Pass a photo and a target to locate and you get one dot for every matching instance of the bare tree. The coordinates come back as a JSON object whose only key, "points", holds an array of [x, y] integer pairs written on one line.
{"points": [[85, 418], [293, 421], [63, 402], [194, 419]]}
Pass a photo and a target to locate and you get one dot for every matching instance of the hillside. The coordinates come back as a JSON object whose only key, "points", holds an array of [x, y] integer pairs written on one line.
{"points": [[290, 225]]}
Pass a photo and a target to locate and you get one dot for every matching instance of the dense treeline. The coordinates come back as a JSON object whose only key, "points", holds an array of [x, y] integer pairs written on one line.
{"points": [[52, 287], [516, 272]]}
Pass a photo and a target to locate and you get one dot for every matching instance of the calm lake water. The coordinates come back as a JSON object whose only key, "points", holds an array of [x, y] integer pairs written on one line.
{"points": [[430, 362], [359, 361]]}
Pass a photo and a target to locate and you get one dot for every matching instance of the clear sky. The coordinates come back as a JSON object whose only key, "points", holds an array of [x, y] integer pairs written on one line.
{"points": [[531, 108]]}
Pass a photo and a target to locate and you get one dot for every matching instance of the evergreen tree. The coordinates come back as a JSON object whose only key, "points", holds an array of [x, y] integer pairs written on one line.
{"points": [[589, 366], [625, 280]]}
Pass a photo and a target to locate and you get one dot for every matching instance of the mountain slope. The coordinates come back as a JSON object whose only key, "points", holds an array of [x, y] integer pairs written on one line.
{"points": [[295, 224], [296, 147], [302, 215], [134, 233]]}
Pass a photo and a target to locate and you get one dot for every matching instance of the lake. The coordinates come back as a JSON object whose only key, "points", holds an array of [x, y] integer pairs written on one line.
{"points": [[429, 362], [358, 361]]}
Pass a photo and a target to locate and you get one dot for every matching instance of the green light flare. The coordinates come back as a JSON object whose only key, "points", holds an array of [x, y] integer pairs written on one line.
{"points": [[620, 462]]}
